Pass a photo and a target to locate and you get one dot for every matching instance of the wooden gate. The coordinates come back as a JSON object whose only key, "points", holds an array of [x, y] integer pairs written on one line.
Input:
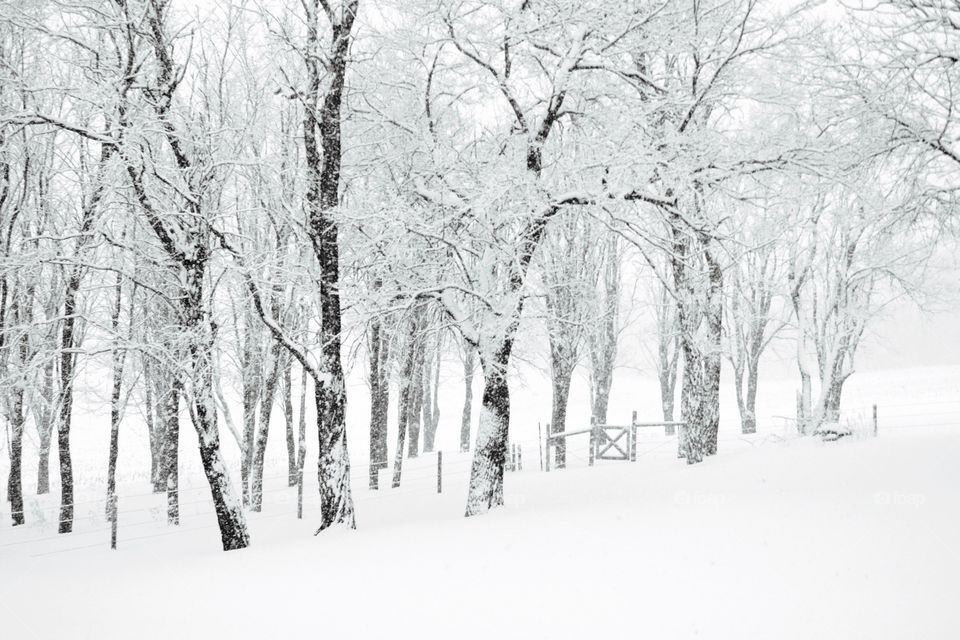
{"points": [[608, 441], [615, 443]]}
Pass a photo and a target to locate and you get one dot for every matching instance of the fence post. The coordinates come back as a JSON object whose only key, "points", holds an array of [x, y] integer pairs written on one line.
{"points": [[546, 458], [540, 444], [300, 493], [519, 458], [113, 521], [874, 421], [439, 471], [633, 437], [593, 439]]}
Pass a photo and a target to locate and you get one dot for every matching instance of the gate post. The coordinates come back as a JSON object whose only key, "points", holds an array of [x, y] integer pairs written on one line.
{"points": [[593, 439], [546, 458]]}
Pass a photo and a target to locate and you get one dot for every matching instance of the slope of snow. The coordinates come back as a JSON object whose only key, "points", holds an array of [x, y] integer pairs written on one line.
{"points": [[771, 539]]}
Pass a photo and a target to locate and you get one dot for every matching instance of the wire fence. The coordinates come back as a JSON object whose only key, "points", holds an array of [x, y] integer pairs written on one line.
{"points": [[141, 511], [144, 514]]}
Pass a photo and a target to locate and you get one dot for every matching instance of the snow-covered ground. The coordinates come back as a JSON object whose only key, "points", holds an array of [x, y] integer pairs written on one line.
{"points": [[775, 537]]}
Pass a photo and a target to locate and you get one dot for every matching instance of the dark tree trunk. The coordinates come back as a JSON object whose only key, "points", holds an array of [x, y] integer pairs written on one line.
{"points": [[469, 363], [69, 343], [266, 407], [233, 526], [323, 198], [489, 457], [831, 405], [379, 347], [15, 479], [692, 385], [490, 454], [336, 501], [713, 359], [711, 402], [186, 241], [67, 360], [700, 394]]}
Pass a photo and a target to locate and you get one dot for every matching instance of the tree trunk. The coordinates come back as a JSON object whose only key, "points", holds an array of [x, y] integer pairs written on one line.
{"points": [[301, 441], [69, 344], [741, 399], [699, 402], [118, 358], [251, 378], [713, 359], [288, 421], [700, 319], [169, 415], [45, 422], [711, 402], [379, 347], [406, 382], [603, 345], [805, 397], [602, 379], [689, 442], [266, 408], [15, 480], [233, 526], [225, 410], [489, 457], [323, 199], [67, 360], [690, 403], [415, 405], [831, 405], [490, 454], [748, 416], [804, 409], [430, 398], [562, 377], [336, 501], [668, 381], [469, 363], [668, 354], [156, 427]]}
